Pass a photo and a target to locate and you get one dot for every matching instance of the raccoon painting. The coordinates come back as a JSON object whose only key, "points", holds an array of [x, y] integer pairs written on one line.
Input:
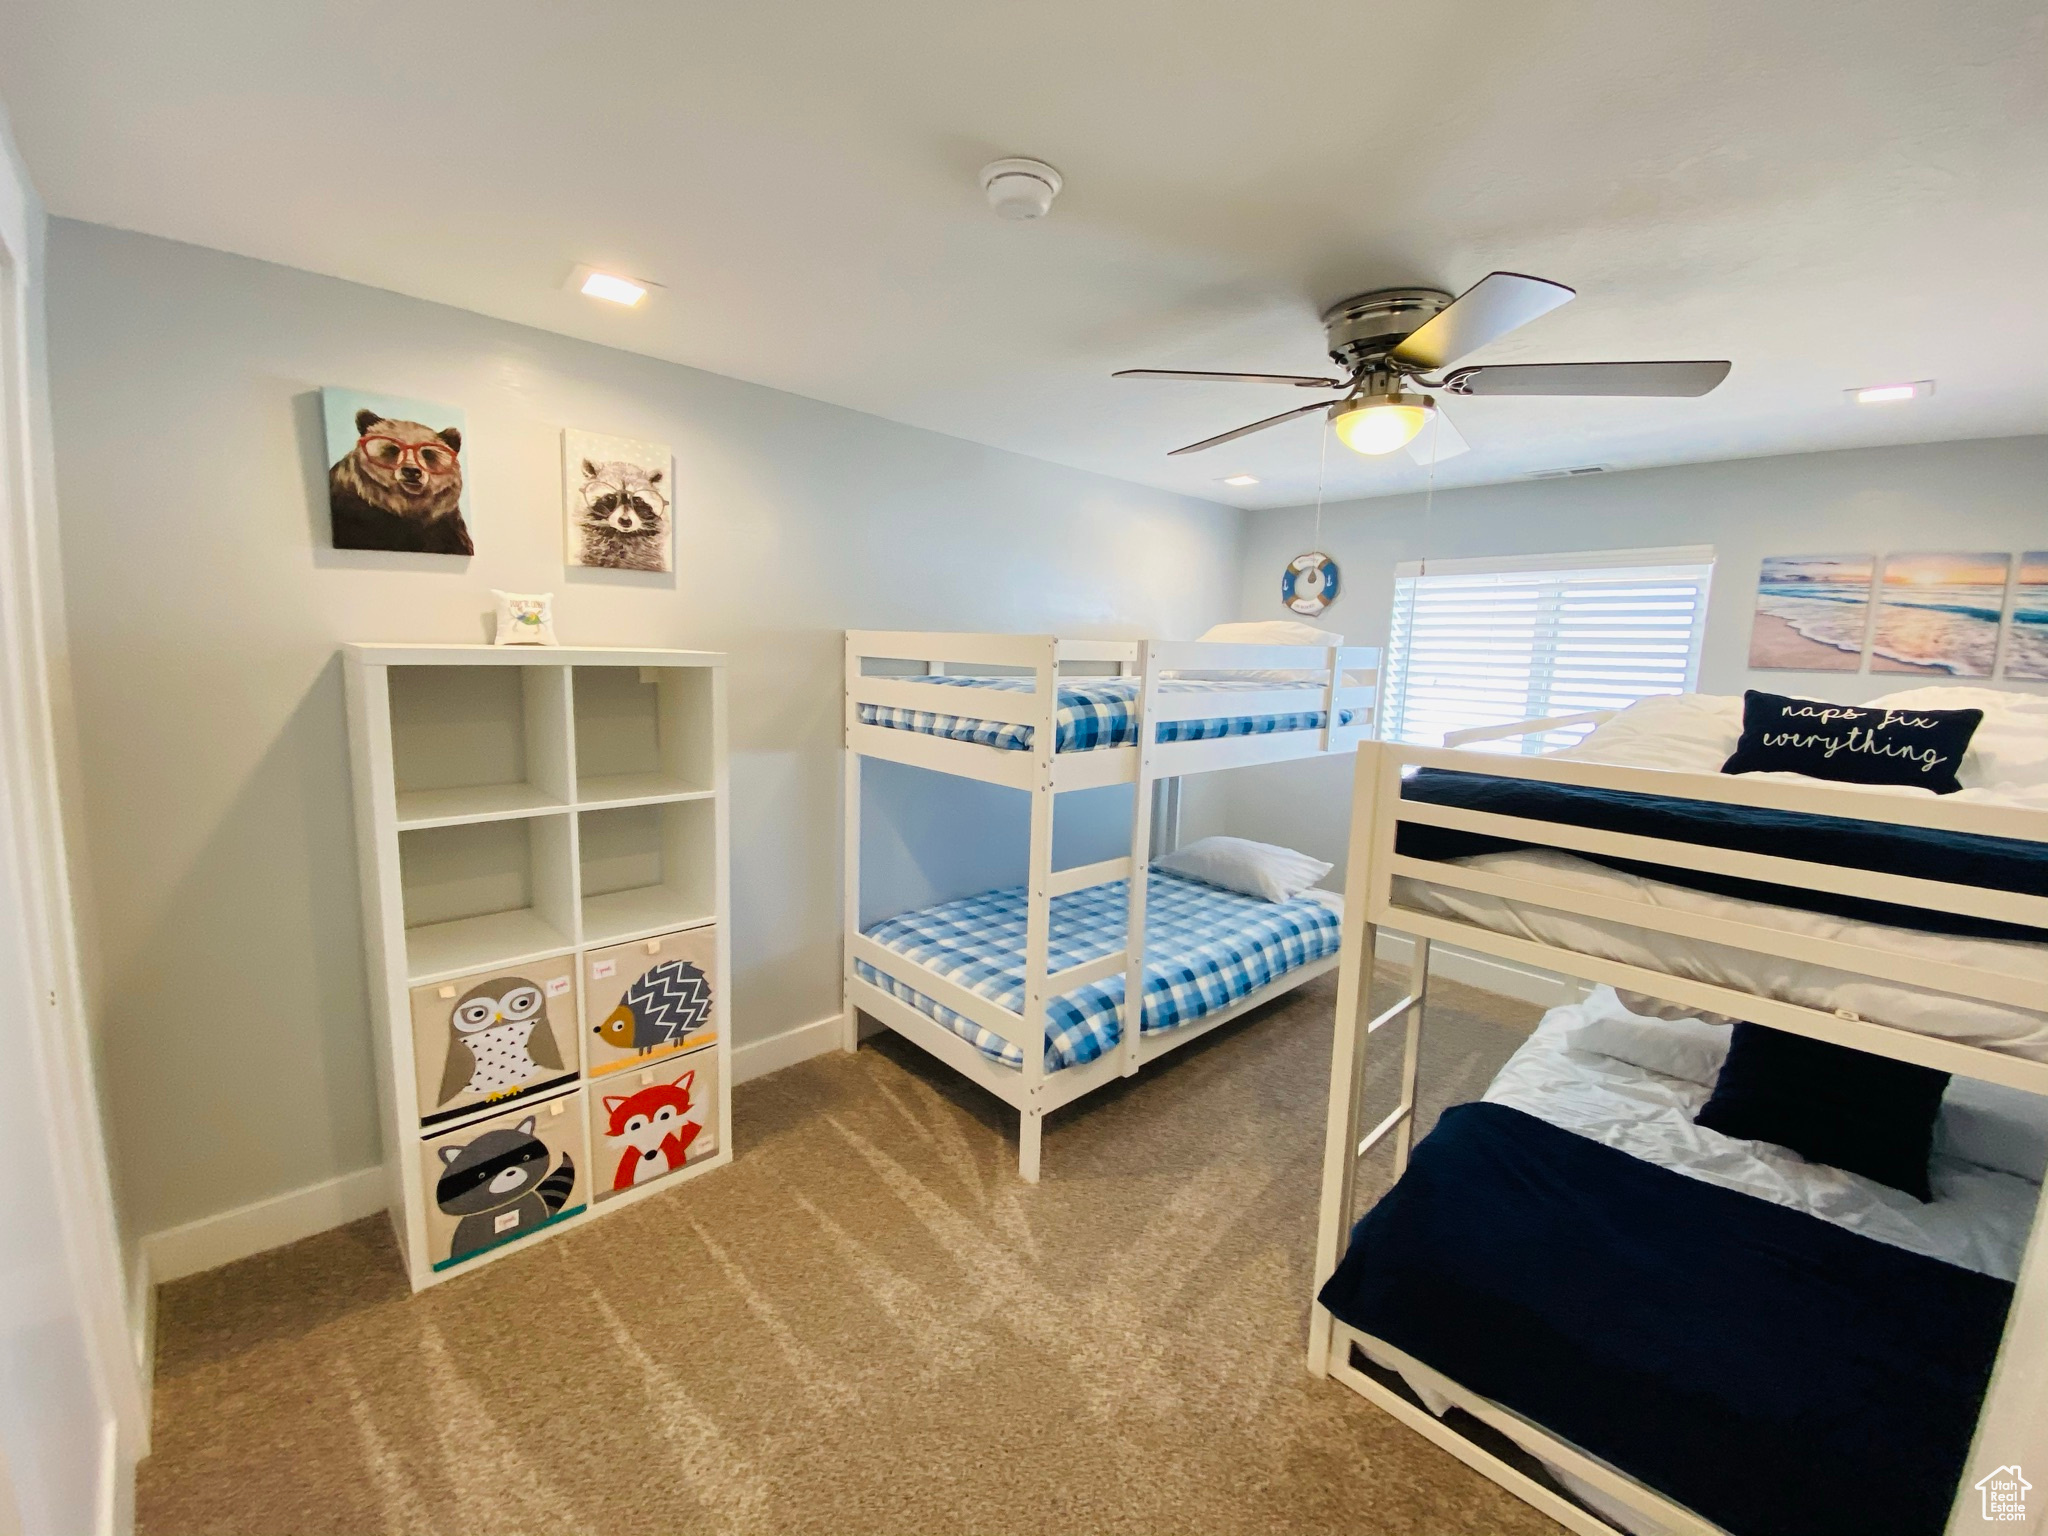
{"points": [[500, 1186], [623, 516], [399, 487]]}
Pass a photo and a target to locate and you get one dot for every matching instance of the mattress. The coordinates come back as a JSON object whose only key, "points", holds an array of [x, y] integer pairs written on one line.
{"points": [[1995, 1026], [1101, 712], [1205, 948], [1670, 1304]]}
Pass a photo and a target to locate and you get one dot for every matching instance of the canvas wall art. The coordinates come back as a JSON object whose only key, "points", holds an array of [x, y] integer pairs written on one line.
{"points": [[616, 495], [2026, 642], [1939, 614], [1811, 613], [395, 474]]}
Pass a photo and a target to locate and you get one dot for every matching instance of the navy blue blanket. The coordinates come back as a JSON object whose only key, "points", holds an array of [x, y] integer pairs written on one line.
{"points": [[1773, 1372], [1995, 863]]}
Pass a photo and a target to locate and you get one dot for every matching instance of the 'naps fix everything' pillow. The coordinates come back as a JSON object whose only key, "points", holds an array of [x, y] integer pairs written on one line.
{"points": [[1851, 744]]}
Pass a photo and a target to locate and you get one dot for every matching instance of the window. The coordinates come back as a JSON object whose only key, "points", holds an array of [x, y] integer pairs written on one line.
{"points": [[1490, 642]]}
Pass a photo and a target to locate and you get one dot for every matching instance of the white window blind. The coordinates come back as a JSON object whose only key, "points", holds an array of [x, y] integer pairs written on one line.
{"points": [[1491, 642]]}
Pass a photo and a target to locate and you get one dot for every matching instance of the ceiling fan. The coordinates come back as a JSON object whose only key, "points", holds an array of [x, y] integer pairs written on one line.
{"points": [[1392, 337]]}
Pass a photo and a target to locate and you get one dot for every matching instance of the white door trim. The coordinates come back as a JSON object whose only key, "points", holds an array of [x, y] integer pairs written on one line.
{"points": [[32, 844]]}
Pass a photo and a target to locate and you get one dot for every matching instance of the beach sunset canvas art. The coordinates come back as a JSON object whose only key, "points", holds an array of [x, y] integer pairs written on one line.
{"points": [[1811, 612], [2026, 643], [1938, 614]]}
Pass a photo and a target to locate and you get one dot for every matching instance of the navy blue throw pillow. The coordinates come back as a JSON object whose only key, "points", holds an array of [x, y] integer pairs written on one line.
{"points": [[1849, 1109], [1852, 744]]}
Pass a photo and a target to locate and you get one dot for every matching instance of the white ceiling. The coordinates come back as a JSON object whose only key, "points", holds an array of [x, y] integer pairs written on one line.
{"points": [[1830, 194]]}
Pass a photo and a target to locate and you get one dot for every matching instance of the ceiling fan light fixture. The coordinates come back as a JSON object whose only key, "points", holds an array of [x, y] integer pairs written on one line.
{"points": [[1378, 424]]}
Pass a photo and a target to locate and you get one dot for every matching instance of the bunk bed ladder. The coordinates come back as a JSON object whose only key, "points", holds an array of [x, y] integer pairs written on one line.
{"points": [[1137, 885], [1038, 891]]}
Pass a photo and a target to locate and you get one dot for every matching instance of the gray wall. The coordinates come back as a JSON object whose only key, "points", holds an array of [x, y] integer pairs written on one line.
{"points": [[1986, 495], [205, 605]]}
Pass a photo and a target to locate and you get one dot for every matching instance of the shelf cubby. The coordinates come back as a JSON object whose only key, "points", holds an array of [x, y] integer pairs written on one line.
{"points": [[642, 734], [478, 743], [647, 869], [480, 893]]}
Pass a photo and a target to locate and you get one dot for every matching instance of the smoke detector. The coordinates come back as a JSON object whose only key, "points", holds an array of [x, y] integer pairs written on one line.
{"points": [[1020, 189]]}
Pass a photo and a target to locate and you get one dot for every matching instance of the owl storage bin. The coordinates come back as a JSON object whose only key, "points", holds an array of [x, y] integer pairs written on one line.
{"points": [[649, 999], [496, 1180], [493, 1037], [647, 1124]]}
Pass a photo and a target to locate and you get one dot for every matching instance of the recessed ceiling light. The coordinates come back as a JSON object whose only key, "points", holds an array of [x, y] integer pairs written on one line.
{"points": [[1240, 479], [615, 290], [1878, 394]]}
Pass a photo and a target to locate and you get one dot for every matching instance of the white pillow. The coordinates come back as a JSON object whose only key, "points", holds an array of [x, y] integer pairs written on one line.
{"points": [[1238, 864], [2009, 750], [1262, 632], [1270, 632], [1688, 1049], [1994, 1126], [1686, 732]]}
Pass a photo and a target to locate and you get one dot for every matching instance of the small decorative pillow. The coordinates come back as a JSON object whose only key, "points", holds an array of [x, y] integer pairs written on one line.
{"points": [[525, 618], [1854, 1111], [1252, 869], [1850, 744]]}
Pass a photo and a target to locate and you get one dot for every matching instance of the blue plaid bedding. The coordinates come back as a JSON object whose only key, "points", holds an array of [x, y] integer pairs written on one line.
{"points": [[1204, 949], [1095, 712]]}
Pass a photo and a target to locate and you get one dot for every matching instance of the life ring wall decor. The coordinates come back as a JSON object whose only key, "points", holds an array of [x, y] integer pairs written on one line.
{"points": [[1309, 584]]}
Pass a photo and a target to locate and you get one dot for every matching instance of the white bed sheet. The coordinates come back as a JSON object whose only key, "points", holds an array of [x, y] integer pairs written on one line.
{"points": [[2022, 1032], [1978, 1218]]}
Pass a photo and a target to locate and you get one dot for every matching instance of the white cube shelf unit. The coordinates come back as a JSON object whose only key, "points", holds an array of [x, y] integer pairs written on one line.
{"points": [[542, 837]]}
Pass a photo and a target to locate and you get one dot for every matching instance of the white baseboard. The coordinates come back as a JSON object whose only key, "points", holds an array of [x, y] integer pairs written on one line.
{"points": [[213, 1241], [758, 1058], [1542, 988]]}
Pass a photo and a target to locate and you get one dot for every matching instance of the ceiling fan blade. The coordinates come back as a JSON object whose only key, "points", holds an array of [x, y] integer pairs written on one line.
{"points": [[1437, 441], [1300, 381], [1257, 426], [1488, 310], [1686, 380]]}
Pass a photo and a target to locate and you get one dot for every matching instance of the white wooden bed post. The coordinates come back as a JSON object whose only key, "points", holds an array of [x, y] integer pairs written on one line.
{"points": [[1137, 884], [1038, 912], [849, 1016], [1347, 1050]]}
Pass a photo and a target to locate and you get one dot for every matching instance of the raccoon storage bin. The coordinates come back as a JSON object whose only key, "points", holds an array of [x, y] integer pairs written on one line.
{"points": [[542, 838], [490, 1038], [648, 1124], [649, 999], [504, 1177]]}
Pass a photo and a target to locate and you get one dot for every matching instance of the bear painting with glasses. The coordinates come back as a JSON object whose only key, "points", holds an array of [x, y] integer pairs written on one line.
{"points": [[399, 487]]}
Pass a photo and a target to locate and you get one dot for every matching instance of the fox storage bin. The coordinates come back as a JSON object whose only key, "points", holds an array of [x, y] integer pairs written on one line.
{"points": [[504, 1177], [542, 836], [648, 1124], [494, 1037], [649, 999]]}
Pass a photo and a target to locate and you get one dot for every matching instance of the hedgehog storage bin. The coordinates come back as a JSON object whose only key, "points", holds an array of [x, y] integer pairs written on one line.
{"points": [[505, 1177], [650, 999], [494, 1037], [647, 1124]]}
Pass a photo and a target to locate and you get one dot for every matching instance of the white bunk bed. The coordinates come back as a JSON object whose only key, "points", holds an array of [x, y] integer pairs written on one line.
{"points": [[1972, 1007], [1046, 715]]}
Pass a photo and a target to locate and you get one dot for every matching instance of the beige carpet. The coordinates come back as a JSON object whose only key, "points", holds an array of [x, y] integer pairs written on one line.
{"points": [[866, 1323]]}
